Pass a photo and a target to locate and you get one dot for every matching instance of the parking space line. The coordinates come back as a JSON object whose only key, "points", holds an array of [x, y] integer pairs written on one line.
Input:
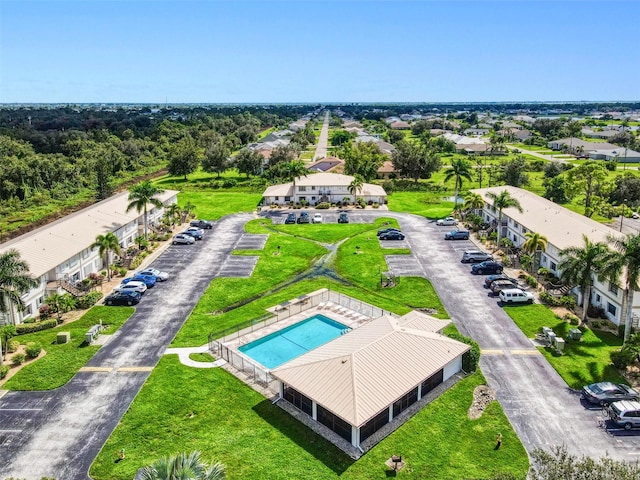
{"points": [[134, 369], [492, 352], [10, 431], [96, 369], [20, 409], [525, 352]]}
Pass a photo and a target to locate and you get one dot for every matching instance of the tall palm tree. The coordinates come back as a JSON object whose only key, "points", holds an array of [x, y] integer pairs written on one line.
{"points": [[356, 186], [141, 195], [624, 259], [460, 169], [15, 280], [172, 212], [501, 201], [106, 244], [534, 243], [183, 466], [473, 201], [578, 266], [294, 169], [187, 209]]}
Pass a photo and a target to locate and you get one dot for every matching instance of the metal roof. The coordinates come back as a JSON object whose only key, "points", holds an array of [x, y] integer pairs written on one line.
{"points": [[362, 372]]}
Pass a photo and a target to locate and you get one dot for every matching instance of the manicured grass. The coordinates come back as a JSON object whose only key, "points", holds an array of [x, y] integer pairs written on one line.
{"points": [[201, 357], [332, 233], [211, 205], [426, 204], [63, 361], [212, 411], [582, 362]]}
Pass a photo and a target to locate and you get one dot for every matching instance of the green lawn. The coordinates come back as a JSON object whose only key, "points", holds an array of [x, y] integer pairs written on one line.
{"points": [[426, 204], [63, 361], [212, 204], [583, 362], [332, 232], [212, 411]]}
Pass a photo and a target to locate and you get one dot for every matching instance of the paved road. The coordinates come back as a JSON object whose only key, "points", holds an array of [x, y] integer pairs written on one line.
{"points": [[549, 158], [323, 139], [59, 433]]}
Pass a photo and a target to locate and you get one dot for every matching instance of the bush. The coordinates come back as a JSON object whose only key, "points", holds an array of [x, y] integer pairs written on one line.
{"points": [[611, 165], [12, 346], [376, 205], [29, 320], [323, 206], [4, 369], [122, 272], [471, 358], [624, 357], [229, 183], [23, 328], [568, 302], [548, 299], [18, 359], [89, 300], [571, 318], [45, 311], [531, 281], [33, 350]]}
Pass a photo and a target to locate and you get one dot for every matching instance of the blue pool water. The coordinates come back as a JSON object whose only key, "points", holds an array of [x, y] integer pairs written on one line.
{"points": [[291, 342]]}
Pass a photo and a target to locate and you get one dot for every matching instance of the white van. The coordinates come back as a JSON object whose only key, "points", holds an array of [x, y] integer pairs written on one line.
{"points": [[515, 295], [625, 414]]}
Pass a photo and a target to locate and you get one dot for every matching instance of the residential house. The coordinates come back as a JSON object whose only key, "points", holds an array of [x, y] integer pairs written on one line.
{"points": [[327, 164], [400, 125], [387, 170], [576, 144], [60, 253], [620, 155]]}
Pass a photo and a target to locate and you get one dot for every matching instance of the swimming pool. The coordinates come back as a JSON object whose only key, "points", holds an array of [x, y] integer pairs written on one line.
{"points": [[279, 347]]}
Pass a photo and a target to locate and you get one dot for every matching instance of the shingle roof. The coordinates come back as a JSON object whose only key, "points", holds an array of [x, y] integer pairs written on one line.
{"points": [[51, 245], [358, 374]]}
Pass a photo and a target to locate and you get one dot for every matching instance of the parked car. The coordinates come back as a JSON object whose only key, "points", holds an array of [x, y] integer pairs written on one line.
{"points": [[147, 278], [206, 224], [499, 276], [196, 229], [317, 218], [605, 393], [499, 285], [475, 256], [343, 218], [625, 414], [448, 222], [196, 234], [122, 298], [131, 286], [457, 235], [392, 236], [387, 230], [488, 266], [291, 218], [183, 239], [160, 276], [515, 295], [303, 217]]}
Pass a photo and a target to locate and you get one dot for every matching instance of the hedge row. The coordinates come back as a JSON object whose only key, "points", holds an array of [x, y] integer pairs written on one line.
{"points": [[471, 358], [23, 328]]}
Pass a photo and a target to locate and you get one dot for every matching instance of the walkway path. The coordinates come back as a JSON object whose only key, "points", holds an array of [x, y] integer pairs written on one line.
{"points": [[59, 433], [183, 355], [549, 158], [323, 140]]}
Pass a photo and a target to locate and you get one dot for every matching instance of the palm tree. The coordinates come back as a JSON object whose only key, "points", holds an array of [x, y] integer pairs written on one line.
{"points": [[534, 243], [183, 466], [172, 213], [356, 186], [501, 201], [140, 196], [187, 209], [61, 303], [293, 170], [460, 169], [106, 244], [624, 258], [579, 264], [473, 201], [15, 280]]}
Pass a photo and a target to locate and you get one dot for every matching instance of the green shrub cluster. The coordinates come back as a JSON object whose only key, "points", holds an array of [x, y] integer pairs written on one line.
{"points": [[471, 358], [564, 301], [12, 346], [4, 369], [89, 300], [531, 281], [18, 359], [23, 328], [33, 350], [323, 206]]}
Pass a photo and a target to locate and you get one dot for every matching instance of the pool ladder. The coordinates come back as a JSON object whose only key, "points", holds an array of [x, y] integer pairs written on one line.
{"points": [[345, 330]]}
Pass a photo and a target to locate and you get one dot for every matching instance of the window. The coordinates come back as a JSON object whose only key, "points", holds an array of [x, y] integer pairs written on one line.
{"points": [[598, 298], [375, 424], [277, 198], [313, 188], [302, 188], [611, 308], [287, 199], [298, 400], [313, 198], [553, 266], [432, 382], [613, 288], [40, 300], [334, 423], [405, 402]]}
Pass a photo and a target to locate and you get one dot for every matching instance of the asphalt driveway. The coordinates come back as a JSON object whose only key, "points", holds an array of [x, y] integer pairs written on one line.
{"points": [[59, 433]]}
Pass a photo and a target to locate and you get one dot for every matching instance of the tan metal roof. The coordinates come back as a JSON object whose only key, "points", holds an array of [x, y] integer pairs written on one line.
{"points": [[362, 372], [562, 227], [51, 245], [323, 180]]}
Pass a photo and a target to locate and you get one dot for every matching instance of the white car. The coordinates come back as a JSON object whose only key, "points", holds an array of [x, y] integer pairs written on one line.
{"points": [[317, 218], [515, 295], [132, 286], [161, 276], [184, 239], [447, 222]]}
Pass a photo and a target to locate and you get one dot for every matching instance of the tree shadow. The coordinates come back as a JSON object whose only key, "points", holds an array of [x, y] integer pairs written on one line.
{"points": [[323, 450]]}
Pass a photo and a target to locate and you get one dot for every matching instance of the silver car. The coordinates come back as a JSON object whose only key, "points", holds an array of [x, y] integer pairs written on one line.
{"points": [[625, 414], [183, 239], [132, 286], [160, 276], [605, 393]]}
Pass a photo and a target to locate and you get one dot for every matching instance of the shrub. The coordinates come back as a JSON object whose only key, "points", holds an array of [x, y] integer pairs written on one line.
{"points": [[12, 346], [568, 302], [45, 311], [122, 272], [548, 299], [229, 183], [471, 358], [23, 328], [29, 320], [323, 206], [18, 359], [33, 350], [4, 369], [571, 318], [623, 357], [376, 205], [531, 281], [89, 300]]}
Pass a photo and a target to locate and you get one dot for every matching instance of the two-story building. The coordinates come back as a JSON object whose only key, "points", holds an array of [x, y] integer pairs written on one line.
{"points": [[61, 251], [562, 228], [321, 187]]}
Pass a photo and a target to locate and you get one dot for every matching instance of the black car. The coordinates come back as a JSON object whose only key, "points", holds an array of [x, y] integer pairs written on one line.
{"points": [[605, 393], [206, 224], [500, 276], [343, 218], [387, 230], [291, 218], [484, 268], [123, 298], [392, 236], [193, 233], [303, 218]]}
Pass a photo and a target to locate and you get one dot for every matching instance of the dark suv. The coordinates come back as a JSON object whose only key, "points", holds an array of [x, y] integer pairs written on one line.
{"points": [[304, 217], [343, 218], [201, 224], [457, 235], [291, 218], [484, 268], [475, 256]]}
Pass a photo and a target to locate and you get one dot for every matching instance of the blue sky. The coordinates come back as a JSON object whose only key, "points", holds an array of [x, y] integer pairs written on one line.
{"points": [[329, 51]]}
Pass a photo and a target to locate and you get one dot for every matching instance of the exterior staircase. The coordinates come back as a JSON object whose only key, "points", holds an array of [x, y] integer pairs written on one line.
{"points": [[71, 288]]}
